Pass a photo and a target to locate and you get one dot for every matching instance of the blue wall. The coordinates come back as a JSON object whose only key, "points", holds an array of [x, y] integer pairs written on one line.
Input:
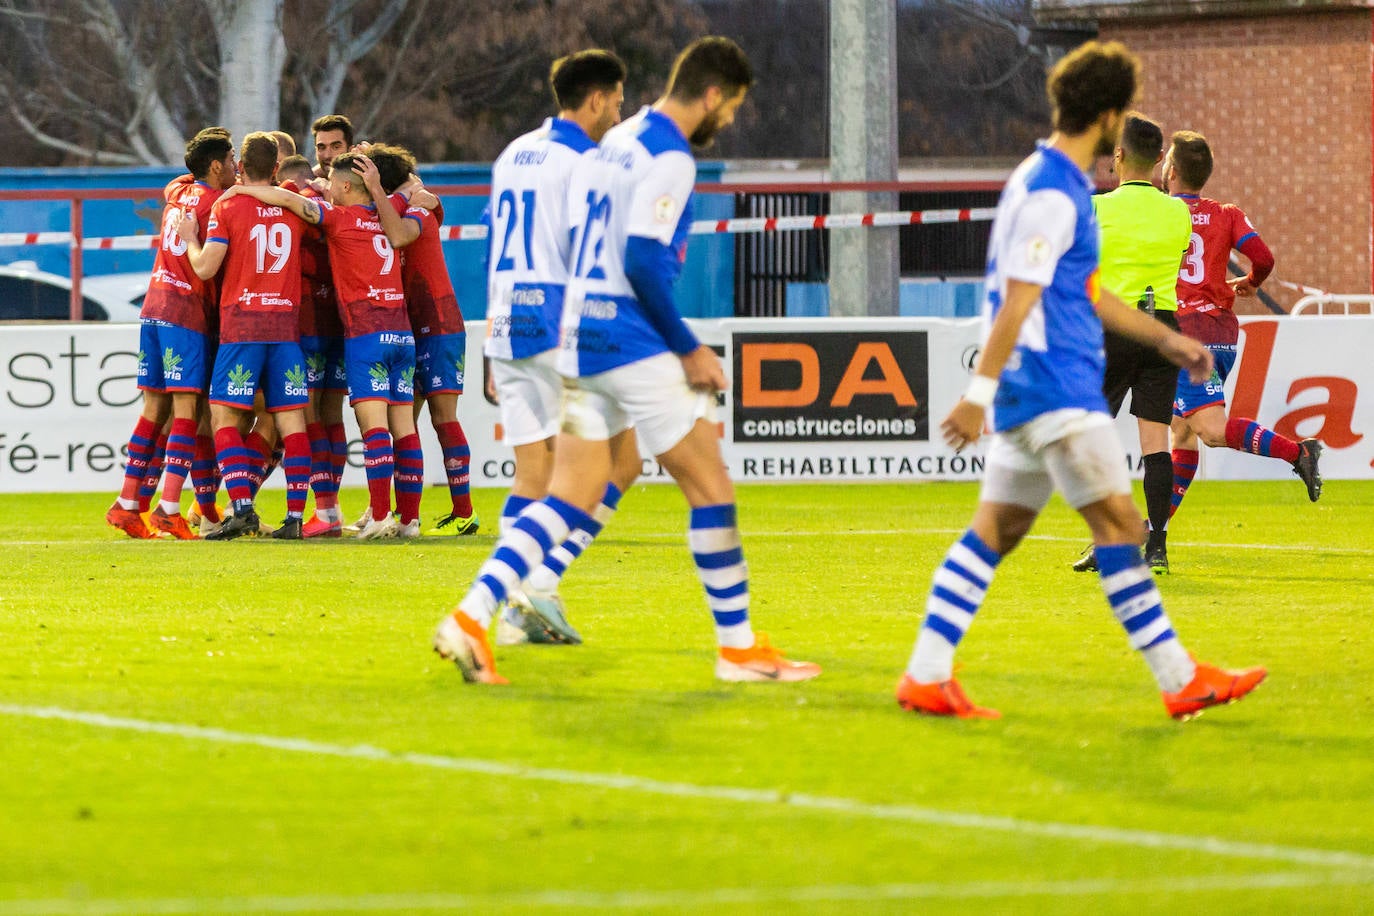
{"points": [[705, 291]]}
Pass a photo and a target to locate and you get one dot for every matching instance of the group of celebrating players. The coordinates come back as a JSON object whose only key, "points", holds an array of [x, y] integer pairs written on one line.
{"points": [[307, 285], [319, 284]]}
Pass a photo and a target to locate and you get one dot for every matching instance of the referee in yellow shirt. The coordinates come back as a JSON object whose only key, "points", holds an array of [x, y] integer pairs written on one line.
{"points": [[1145, 234]]}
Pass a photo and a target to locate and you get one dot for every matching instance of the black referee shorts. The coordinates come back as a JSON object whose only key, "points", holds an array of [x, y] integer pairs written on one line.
{"points": [[1149, 377]]}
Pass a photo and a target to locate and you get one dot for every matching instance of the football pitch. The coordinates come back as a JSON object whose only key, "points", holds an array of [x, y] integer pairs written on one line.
{"points": [[260, 727]]}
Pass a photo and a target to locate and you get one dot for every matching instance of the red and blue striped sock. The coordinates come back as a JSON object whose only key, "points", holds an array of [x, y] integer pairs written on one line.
{"points": [[205, 478], [139, 456], [181, 451], [321, 467], [457, 457], [380, 463], [152, 474], [1185, 469], [338, 452], [296, 465], [410, 477], [235, 465], [1248, 436]]}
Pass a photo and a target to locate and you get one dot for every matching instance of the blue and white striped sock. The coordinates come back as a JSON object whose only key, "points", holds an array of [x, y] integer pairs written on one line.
{"points": [[1135, 601], [511, 510], [535, 532], [713, 536], [956, 593], [547, 577]]}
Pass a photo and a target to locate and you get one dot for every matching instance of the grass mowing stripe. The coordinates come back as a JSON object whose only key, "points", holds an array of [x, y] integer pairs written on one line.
{"points": [[374, 903], [844, 806]]}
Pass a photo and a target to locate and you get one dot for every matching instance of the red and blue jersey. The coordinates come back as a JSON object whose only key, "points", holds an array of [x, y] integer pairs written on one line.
{"points": [[1204, 297], [366, 271], [424, 276], [260, 289], [175, 294]]}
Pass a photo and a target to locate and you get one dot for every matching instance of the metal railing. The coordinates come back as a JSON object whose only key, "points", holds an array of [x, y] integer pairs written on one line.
{"points": [[1317, 304]]}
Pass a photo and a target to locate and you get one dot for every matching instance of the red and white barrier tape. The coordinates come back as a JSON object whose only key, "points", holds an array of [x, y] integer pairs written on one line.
{"points": [[477, 231], [1300, 288]]}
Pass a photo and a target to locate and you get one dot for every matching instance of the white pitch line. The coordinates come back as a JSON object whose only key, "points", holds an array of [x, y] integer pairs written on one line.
{"points": [[1148, 839], [677, 899], [748, 534]]}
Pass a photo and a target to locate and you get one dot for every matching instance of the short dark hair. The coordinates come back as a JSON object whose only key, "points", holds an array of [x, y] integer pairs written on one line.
{"points": [[1093, 79], [206, 148], [1191, 157], [706, 62], [295, 168], [334, 122], [1142, 140], [395, 164], [577, 76], [259, 155], [345, 164]]}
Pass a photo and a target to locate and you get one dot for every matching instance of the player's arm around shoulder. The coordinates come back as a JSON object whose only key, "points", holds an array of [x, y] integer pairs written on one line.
{"points": [[306, 208]]}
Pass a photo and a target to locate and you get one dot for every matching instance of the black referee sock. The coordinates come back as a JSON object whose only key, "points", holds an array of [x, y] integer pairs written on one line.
{"points": [[1159, 485]]}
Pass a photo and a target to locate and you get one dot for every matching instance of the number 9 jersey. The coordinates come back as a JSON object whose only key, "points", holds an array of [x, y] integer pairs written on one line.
{"points": [[527, 266], [636, 186]]}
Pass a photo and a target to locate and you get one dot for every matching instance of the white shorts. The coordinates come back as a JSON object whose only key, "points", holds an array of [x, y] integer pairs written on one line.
{"points": [[652, 395], [1076, 451], [530, 392]]}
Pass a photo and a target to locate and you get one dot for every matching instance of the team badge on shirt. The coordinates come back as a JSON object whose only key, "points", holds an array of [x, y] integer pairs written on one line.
{"points": [[665, 208], [1038, 251]]}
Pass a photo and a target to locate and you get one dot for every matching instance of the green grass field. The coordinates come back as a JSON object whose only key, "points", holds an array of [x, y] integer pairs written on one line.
{"points": [[261, 727]]}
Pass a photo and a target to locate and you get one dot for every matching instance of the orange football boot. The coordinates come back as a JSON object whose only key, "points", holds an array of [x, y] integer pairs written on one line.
{"points": [[461, 640], [128, 521], [1211, 686], [175, 525], [761, 662], [940, 698]]}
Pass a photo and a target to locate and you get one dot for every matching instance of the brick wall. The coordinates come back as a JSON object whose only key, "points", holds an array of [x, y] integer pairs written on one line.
{"points": [[1286, 104]]}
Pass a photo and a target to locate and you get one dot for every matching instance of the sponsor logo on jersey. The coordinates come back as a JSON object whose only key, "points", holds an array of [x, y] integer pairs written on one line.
{"points": [[171, 365], [240, 382], [602, 309], [164, 276], [295, 382], [379, 378]]}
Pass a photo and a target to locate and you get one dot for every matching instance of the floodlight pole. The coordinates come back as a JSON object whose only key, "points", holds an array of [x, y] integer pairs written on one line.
{"points": [[863, 147]]}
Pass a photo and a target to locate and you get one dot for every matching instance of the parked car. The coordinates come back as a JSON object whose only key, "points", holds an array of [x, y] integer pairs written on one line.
{"points": [[30, 294]]}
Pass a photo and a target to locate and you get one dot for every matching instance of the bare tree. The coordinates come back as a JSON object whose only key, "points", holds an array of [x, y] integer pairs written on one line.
{"points": [[103, 81], [458, 80], [126, 81]]}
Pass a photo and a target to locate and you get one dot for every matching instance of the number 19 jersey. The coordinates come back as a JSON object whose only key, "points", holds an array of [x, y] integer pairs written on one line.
{"points": [[527, 269], [260, 294], [637, 183]]}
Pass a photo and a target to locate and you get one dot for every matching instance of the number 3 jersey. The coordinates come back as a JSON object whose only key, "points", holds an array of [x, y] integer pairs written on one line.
{"points": [[1204, 297], [260, 289], [637, 185], [527, 268]]}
